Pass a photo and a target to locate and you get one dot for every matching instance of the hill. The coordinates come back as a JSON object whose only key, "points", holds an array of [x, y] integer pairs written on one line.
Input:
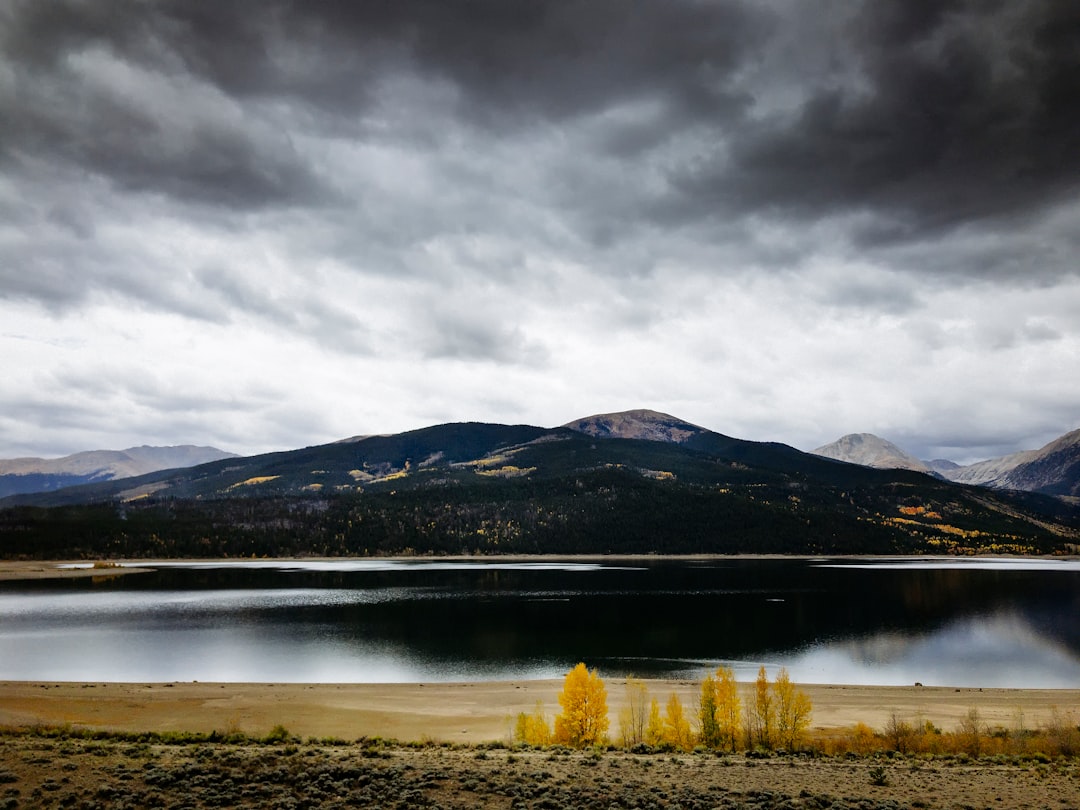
{"points": [[27, 475], [493, 489], [871, 451]]}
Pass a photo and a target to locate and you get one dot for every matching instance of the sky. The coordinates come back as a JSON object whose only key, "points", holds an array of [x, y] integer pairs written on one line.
{"points": [[263, 224]]}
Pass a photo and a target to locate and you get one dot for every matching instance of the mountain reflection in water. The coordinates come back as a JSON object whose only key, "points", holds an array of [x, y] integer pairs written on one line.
{"points": [[963, 623]]}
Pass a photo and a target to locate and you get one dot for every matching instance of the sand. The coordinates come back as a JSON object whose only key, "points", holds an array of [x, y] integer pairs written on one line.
{"points": [[455, 712]]}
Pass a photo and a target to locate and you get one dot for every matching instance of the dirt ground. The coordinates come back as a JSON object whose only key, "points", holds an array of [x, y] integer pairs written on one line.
{"points": [[42, 772], [455, 764]]}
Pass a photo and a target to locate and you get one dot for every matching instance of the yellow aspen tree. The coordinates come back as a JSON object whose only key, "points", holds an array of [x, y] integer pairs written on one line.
{"points": [[792, 710], [710, 733], [584, 717], [533, 729], [764, 714], [634, 716], [654, 729], [676, 726], [727, 708]]}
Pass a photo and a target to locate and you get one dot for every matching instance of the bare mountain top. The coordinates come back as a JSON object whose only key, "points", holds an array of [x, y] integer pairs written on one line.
{"points": [[22, 475], [115, 463], [1053, 469], [870, 451], [638, 424], [987, 473]]}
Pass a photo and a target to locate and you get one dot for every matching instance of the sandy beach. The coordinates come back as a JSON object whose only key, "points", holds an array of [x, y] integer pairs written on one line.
{"points": [[456, 712]]}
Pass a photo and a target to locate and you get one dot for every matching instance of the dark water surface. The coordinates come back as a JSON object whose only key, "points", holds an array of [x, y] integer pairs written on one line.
{"points": [[982, 623]]}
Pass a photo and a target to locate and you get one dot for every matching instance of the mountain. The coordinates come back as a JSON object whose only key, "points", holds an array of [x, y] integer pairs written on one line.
{"points": [[942, 466], [1053, 469], [871, 451], [634, 482], [989, 473], [27, 475], [639, 424], [1050, 470]]}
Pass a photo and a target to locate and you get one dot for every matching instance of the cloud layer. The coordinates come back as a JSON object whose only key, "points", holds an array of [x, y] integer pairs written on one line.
{"points": [[269, 224]]}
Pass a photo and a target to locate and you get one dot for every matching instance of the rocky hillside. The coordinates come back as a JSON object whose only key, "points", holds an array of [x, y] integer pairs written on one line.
{"points": [[638, 424], [871, 451], [1051, 470]]}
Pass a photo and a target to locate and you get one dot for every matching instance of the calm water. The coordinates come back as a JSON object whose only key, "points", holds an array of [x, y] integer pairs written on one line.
{"points": [[980, 623]]}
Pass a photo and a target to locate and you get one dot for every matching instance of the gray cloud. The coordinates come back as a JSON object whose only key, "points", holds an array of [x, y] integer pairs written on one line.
{"points": [[737, 205]]}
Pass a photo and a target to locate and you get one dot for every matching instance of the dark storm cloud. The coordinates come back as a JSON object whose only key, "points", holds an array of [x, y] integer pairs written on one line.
{"points": [[913, 118], [104, 87], [959, 113]]}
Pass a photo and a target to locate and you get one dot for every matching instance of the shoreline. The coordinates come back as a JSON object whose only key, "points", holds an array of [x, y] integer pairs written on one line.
{"points": [[31, 570], [468, 712]]}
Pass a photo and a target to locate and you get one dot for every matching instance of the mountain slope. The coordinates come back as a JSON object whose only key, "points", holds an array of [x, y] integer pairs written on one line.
{"points": [[871, 451], [27, 475], [483, 488], [988, 472], [1053, 469]]}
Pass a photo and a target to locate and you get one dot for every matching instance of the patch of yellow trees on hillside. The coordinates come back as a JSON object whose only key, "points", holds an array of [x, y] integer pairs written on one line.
{"points": [[772, 715]]}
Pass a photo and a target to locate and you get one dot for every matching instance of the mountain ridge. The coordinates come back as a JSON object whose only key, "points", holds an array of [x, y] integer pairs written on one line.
{"points": [[1053, 469], [27, 474], [481, 488]]}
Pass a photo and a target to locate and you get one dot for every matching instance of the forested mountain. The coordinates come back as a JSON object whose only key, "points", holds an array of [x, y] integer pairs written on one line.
{"points": [[492, 489]]}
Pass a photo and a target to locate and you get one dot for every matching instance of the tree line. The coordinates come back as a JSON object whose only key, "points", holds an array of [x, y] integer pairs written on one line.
{"points": [[773, 715], [769, 716]]}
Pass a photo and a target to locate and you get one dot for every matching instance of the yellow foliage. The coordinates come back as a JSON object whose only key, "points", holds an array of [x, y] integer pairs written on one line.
{"points": [[654, 730], [763, 714], [728, 726], [259, 479], [793, 711], [509, 471], [676, 726], [584, 717], [533, 729], [634, 716]]}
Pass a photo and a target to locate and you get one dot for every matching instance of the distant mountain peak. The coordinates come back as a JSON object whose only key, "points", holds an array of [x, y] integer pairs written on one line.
{"points": [[870, 451], [25, 475], [637, 424]]}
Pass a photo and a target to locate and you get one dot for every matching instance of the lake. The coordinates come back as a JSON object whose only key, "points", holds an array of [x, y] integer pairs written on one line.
{"points": [[975, 623]]}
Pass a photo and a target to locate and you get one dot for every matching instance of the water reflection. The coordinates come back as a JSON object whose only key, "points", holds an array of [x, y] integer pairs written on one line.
{"points": [[1003, 651], [963, 623]]}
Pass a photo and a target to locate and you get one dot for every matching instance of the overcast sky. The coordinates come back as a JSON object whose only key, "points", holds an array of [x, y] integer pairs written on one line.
{"points": [[263, 225]]}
